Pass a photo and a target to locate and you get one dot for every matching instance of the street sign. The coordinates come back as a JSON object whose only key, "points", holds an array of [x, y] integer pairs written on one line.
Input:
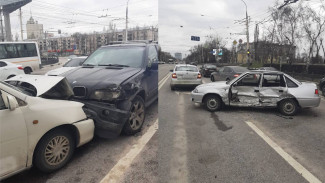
{"points": [[220, 52], [195, 38], [214, 51]]}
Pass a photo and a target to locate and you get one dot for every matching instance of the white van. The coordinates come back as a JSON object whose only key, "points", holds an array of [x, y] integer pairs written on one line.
{"points": [[22, 53]]}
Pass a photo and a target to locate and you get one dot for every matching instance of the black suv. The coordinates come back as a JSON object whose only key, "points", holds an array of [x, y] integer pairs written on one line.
{"points": [[322, 85], [116, 83]]}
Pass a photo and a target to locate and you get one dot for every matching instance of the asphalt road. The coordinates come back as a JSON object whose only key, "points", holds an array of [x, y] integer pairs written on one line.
{"points": [[199, 146]]}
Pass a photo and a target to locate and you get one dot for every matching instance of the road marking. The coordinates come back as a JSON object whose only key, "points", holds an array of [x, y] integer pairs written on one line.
{"points": [[116, 173], [163, 81], [296, 165]]}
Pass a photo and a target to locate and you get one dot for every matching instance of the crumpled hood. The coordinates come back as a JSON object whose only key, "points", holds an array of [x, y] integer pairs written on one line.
{"points": [[218, 85], [40, 82], [99, 77]]}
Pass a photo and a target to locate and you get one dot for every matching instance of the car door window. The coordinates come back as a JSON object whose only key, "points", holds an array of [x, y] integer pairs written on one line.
{"points": [[227, 70], [2, 64], [250, 80], [290, 83], [152, 55], [273, 80]]}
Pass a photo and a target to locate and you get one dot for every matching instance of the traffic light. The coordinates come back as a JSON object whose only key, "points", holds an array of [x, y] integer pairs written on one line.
{"points": [[248, 52]]}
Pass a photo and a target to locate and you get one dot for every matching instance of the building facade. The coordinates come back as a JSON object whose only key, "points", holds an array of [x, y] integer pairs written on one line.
{"points": [[33, 29]]}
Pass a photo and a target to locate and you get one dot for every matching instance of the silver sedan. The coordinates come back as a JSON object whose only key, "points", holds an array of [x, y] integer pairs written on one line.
{"points": [[259, 89], [185, 75]]}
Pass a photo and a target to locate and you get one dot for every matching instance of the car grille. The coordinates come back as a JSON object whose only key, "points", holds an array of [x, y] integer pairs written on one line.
{"points": [[79, 91]]}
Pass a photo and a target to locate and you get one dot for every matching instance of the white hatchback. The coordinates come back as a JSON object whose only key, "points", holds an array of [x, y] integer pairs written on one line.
{"points": [[37, 127], [8, 70]]}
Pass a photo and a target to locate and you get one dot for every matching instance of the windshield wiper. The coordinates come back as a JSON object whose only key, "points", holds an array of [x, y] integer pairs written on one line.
{"points": [[88, 65], [113, 65]]}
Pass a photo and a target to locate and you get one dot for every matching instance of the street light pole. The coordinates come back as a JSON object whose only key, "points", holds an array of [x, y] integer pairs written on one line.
{"points": [[247, 34], [126, 22]]}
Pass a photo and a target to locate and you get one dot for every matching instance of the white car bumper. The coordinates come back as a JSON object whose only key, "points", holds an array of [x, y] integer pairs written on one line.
{"points": [[86, 131]]}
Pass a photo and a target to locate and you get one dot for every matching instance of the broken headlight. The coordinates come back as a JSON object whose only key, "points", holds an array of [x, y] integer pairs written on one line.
{"points": [[105, 95]]}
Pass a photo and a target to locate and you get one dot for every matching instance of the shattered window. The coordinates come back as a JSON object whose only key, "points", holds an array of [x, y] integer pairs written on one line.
{"points": [[273, 80], [250, 80]]}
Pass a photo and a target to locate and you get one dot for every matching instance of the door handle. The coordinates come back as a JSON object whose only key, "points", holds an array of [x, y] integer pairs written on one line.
{"points": [[281, 91], [256, 90]]}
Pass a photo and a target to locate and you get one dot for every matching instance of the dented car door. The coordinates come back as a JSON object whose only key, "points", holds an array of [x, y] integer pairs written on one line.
{"points": [[273, 89], [245, 91]]}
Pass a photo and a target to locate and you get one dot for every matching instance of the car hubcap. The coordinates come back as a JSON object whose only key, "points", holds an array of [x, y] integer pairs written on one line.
{"points": [[289, 107], [212, 103], [57, 150], [137, 115]]}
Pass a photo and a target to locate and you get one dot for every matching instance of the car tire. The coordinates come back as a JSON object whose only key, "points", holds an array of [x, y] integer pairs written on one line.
{"points": [[212, 103], [60, 141], [288, 107], [27, 70], [212, 78], [323, 90], [137, 115]]}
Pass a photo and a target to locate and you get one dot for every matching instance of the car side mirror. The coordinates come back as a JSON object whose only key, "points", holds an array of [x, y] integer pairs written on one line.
{"points": [[12, 102]]}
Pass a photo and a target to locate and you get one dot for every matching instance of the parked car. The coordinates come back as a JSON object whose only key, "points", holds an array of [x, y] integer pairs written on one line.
{"points": [[322, 86], [227, 73], [207, 69], [267, 69], [185, 75], [38, 127], [193, 63], [116, 83], [71, 64], [259, 89], [8, 70]]}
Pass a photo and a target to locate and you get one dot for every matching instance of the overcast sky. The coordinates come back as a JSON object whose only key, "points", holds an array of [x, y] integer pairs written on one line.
{"points": [[83, 15], [206, 17]]}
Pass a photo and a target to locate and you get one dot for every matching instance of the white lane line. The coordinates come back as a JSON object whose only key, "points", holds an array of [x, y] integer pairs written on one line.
{"points": [[296, 165], [116, 173], [163, 81]]}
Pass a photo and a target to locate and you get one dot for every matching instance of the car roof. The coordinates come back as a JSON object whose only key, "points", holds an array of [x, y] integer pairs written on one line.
{"points": [[185, 65], [266, 71]]}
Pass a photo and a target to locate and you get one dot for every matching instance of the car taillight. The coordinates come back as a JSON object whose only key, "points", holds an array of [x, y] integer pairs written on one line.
{"points": [[174, 75], [21, 68], [316, 91], [199, 76], [236, 75]]}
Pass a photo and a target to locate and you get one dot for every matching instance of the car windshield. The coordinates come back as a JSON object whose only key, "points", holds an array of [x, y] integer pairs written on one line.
{"points": [[116, 56], [75, 62], [240, 69], [186, 68], [211, 66]]}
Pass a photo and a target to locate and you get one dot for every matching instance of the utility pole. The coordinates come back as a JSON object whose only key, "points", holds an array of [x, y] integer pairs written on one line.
{"points": [[21, 24], [247, 34], [126, 22], [2, 36]]}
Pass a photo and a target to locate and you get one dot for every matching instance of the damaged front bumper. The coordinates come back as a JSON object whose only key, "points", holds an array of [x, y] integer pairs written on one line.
{"points": [[109, 120]]}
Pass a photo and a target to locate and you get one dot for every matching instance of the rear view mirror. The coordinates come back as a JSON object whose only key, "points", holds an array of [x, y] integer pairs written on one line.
{"points": [[12, 102]]}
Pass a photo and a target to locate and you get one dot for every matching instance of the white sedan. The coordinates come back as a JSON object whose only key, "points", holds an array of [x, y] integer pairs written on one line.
{"points": [[36, 127], [71, 64], [185, 75], [8, 70]]}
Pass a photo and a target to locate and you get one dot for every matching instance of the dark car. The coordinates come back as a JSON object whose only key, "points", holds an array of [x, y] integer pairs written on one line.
{"points": [[116, 83], [227, 73], [207, 69], [322, 85]]}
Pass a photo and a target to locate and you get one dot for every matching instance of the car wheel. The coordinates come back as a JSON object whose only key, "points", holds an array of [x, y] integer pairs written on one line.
{"points": [[288, 107], [27, 70], [54, 150], [10, 76], [136, 119], [212, 78], [212, 103], [323, 90]]}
